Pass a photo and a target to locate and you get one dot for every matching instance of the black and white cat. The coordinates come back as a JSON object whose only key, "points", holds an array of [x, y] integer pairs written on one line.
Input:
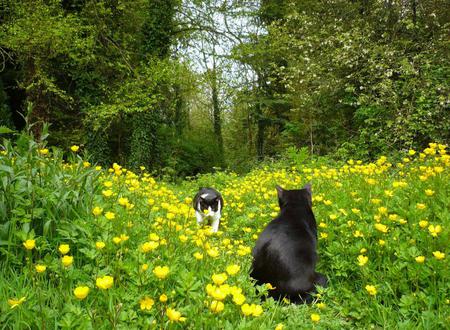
{"points": [[208, 205], [285, 252]]}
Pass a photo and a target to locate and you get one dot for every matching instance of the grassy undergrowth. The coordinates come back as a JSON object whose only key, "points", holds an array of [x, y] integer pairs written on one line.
{"points": [[91, 248]]}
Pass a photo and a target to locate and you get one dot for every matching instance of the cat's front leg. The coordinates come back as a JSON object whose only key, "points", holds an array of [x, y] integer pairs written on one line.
{"points": [[199, 217], [215, 223]]}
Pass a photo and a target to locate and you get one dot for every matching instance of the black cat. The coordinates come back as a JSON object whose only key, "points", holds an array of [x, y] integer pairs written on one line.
{"points": [[285, 252]]}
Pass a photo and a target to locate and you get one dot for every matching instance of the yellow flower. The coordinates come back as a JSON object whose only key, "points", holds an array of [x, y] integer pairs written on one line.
{"points": [[81, 292], [321, 305], [104, 282], [269, 286], [144, 267], [149, 246], [74, 148], [174, 315], [219, 279], [117, 240], [429, 192], [198, 256], [123, 201], [411, 152], [420, 206], [238, 298], [371, 289], [146, 303], [362, 260], [97, 211], [439, 255], [216, 306], [29, 244], [43, 151], [213, 252], [420, 259], [434, 230], [255, 310], [40, 268], [15, 302], [67, 261], [100, 245], [315, 317], [110, 215], [279, 326], [423, 223], [161, 272], [64, 249], [86, 164], [163, 298], [381, 242], [216, 292], [107, 193], [382, 228]]}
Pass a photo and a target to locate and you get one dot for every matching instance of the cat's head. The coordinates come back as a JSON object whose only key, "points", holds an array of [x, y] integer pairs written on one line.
{"points": [[208, 199], [296, 197]]}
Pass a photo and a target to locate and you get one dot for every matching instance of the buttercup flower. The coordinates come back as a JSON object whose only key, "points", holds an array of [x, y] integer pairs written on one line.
{"points": [[110, 215], [420, 259], [29, 244], [97, 211], [81, 292], [146, 303], [315, 317], [233, 269], [64, 249], [382, 228], [439, 255], [67, 261], [105, 282], [100, 245], [198, 256], [434, 230], [16, 302], [372, 290], [74, 148], [254, 310], [362, 260], [161, 272], [216, 306], [40, 268], [163, 298], [219, 279], [149, 246], [174, 315]]}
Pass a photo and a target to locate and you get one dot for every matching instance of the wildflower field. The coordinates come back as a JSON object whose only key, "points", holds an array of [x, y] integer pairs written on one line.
{"points": [[90, 248]]}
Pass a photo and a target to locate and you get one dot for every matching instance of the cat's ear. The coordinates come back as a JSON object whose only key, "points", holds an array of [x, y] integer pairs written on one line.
{"points": [[279, 191], [308, 189]]}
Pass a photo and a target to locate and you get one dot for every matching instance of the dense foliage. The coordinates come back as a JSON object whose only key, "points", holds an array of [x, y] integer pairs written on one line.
{"points": [[183, 86], [86, 247]]}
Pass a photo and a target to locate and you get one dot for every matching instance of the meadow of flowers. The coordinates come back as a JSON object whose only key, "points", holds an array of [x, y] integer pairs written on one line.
{"points": [[92, 248]]}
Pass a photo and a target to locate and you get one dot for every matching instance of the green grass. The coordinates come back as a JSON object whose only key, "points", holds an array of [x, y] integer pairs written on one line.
{"points": [[349, 199]]}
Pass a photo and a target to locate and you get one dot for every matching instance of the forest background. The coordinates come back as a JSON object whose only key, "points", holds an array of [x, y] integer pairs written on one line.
{"points": [[185, 87]]}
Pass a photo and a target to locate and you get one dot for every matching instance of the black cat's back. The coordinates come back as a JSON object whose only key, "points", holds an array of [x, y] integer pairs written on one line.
{"points": [[285, 252]]}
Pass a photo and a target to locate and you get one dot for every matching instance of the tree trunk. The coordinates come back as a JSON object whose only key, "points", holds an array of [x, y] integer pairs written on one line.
{"points": [[217, 122]]}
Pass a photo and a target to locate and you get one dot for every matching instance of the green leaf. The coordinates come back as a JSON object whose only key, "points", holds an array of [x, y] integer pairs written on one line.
{"points": [[5, 130]]}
